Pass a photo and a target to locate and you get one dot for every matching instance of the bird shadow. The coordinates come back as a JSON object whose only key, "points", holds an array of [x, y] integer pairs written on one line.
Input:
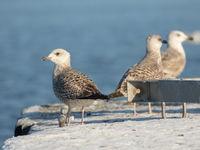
{"points": [[193, 110], [120, 120], [43, 115], [55, 115], [104, 113], [180, 110], [37, 116]]}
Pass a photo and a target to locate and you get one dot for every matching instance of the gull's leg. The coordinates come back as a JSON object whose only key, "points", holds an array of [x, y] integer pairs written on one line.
{"points": [[184, 111], [82, 113], [163, 110], [150, 110], [149, 105], [69, 117], [134, 109]]}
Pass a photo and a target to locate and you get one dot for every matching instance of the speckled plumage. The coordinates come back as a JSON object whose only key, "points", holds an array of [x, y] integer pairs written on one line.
{"points": [[145, 70], [150, 67], [70, 86]]}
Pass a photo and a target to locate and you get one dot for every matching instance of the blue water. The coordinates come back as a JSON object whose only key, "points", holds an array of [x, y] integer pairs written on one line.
{"points": [[104, 38]]}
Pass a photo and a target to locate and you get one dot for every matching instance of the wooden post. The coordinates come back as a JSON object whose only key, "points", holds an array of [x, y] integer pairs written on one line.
{"points": [[61, 120], [163, 110], [184, 111], [64, 110]]}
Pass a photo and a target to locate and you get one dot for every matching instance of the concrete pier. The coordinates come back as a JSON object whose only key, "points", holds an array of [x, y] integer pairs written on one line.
{"points": [[108, 125]]}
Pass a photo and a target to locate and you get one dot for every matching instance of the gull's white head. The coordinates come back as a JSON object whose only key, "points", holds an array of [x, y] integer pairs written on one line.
{"points": [[154, 43], [59, 57], [177, 37]]}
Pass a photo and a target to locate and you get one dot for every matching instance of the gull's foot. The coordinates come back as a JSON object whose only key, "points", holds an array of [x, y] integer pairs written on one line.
{"points": [[135, 114], [154, 113], [68, 124]]}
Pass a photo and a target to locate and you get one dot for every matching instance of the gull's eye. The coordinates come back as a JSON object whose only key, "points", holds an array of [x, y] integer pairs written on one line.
{"points": [[57, 53], [160, 39], [178, 34]]}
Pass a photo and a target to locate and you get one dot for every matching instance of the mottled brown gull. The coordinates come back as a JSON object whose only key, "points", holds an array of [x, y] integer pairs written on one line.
{"points": [[174, 58], [70, 86], [150, 67]]}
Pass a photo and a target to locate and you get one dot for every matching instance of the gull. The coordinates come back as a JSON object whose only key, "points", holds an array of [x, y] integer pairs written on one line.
{"points": [[70, 86], [174, 58], [149, 68]]}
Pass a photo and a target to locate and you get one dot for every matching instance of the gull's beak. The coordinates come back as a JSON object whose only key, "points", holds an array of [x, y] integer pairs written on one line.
{"points": [[190, 38], [164, 42], [45, 58]]}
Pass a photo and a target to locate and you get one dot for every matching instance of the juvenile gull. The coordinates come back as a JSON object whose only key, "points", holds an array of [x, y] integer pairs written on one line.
{"points": [[150, 67], [174, 58], [70, 86]]}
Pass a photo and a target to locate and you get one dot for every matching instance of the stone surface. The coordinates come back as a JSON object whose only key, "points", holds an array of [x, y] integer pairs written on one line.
{"points": [[109, 125]]}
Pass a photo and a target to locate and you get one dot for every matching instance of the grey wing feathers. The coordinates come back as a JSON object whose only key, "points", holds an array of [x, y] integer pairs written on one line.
{"points": [[166, 56], [173, 62]]}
